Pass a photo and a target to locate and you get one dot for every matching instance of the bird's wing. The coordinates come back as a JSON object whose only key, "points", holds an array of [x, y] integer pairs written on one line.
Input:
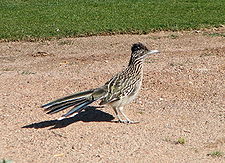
{"points": [[119, 86]]}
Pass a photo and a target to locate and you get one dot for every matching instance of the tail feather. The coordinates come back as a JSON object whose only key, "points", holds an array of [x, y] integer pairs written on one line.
{"points": [[78, 101], [73, 96], [78, 108], [58, 109], [63, 106], [63, 103]]}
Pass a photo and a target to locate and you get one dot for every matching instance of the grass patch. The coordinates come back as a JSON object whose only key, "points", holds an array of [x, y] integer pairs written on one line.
{"points": [[215, 154], [215, 34], [27, 73], [7, 69], [172, 36], [6, 161], [66, 42], [180, 141], [44, 19], [207, 54], [140, 112]]}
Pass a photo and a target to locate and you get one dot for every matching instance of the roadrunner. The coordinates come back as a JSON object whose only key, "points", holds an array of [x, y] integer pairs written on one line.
{"points": [[119, 91]]}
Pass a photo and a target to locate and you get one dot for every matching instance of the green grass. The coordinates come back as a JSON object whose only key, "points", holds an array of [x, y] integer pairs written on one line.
{"points": [[6, 161], [32, 19], [180, 141], [216, 34], [215, 154]]}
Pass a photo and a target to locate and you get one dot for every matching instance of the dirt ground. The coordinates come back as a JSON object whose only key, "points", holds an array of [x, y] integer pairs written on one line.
{"points": [[181, 107]]}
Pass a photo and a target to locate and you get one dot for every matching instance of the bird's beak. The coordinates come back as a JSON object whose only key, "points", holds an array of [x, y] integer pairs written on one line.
{"points": [[152, 52]]}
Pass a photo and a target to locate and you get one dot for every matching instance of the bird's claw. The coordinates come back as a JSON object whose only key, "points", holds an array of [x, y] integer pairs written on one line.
{"points": [[128, 121]]}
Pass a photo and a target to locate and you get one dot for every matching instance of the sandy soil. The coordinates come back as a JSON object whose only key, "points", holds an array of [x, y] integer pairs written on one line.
{"points": [[183, 97]]}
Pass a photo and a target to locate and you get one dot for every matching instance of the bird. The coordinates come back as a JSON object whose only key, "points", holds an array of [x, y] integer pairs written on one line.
{"points": [[119, 91]]}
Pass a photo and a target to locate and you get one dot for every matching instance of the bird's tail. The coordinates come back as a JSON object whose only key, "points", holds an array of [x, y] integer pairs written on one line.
{"points": [[78, 101]]}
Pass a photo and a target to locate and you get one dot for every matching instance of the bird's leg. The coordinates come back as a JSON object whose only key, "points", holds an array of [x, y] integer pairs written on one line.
{"points": [[127, 119], [117, 115]]}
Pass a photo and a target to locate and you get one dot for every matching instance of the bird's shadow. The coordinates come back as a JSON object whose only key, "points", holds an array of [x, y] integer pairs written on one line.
{"points": [[90, 114]]}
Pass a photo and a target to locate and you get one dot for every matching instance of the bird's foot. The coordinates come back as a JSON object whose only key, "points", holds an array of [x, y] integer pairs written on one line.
{"points": [[132, 122], [128, 121]]}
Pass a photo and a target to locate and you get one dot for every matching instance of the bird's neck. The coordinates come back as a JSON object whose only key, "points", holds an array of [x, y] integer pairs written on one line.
{"points": [[136, 64]]}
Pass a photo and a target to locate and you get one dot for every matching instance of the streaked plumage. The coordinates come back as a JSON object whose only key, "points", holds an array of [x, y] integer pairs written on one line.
{"points": [[117, 92]]}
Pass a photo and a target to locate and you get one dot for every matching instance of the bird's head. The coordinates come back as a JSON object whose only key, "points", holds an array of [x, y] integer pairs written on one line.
{"points": [[140, 51]]}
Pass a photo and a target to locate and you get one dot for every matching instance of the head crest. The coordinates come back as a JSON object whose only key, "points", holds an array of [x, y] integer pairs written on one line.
{"points": [[137, 47]]}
